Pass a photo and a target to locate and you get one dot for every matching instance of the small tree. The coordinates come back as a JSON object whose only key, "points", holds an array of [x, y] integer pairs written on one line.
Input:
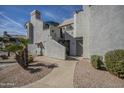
{"points": [[19, 47], [20, 50]]}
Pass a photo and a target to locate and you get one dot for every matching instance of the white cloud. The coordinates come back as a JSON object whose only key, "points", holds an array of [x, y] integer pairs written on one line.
{"points": [[11, 20], [3, 26], [10, 25], [53, 16]]}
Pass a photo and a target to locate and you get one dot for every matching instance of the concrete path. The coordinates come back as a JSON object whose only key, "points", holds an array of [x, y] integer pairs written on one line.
{"points": [[60, 77]]}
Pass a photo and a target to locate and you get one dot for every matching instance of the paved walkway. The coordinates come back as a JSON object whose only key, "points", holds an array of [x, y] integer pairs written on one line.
{"points": [[60, 77]]}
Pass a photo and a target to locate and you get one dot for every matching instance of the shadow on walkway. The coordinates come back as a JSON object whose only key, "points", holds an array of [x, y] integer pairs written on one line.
{"points": [[33, 68], [72, 58], [41, 64], [7, 62]]}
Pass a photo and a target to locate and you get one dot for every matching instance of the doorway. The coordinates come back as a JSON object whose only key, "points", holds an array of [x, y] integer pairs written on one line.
{"points": [[67, 45], [79, 47]]}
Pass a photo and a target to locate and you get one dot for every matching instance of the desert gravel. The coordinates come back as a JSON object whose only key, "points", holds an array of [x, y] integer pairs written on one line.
{"points": [[88, 77], [15, 76]]}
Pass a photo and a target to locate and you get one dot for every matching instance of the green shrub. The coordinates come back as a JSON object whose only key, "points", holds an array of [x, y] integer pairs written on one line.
{"points": [[30, 59], [115, 62], [97, 61]]}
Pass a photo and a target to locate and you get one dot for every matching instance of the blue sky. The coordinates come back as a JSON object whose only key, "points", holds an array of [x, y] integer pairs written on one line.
{"points": [[13, 18]]}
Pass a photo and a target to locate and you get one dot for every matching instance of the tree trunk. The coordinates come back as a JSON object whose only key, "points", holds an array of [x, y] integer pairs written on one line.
{"points": [[25, 56], [8, 54], [22, 58]]}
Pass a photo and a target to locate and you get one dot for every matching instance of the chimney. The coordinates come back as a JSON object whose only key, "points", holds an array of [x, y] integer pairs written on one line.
{"points": [[35, 15]]}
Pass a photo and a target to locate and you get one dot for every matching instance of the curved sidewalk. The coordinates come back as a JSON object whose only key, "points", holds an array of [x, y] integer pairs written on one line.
{"points": [[60, 77]]}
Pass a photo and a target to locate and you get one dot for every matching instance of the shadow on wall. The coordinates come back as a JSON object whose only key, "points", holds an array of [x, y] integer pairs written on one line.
{"points": [[41, 47], [79, 44]]}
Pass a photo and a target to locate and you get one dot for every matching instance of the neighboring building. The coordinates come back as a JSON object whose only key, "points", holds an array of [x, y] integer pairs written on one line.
{"points": [[19, 36], [53, 40]]}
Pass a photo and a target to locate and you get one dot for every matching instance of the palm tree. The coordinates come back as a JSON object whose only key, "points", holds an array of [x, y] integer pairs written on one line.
{"points": [[17, 46]]}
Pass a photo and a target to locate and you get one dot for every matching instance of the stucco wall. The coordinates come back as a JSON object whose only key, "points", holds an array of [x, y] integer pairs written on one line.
{"points": [[78, 19], [32, 48], [54, 49], [81, 30], [55, 33], [70, 33], [37, 28], [29, 29], [50, 47], [106, 29], [85, 31], [72, 43], [45, 35]]}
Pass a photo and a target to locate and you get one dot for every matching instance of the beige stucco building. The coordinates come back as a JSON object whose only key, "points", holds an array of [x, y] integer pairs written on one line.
{"points": [[93, 31], [52, 39], [103, 29]]}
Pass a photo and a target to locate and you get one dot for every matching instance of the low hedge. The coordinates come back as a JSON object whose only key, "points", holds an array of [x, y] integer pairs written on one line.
{"points": [[97, 61], [115, 62]]}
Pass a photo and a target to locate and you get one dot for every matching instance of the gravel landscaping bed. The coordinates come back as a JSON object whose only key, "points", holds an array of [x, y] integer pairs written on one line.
{"points": [[15, 76], [88, 77], [7, 62]]}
